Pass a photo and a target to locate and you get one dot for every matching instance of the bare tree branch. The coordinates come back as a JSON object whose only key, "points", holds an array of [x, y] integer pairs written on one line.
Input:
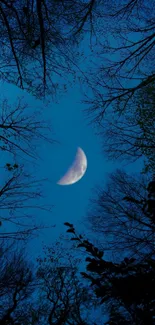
{"points": [[122, 224], [39, 42], [127, 67], [18, 204], [20, 131]]}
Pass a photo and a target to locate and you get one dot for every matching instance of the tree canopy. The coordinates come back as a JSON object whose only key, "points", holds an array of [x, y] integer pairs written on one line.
{"points": [[41, 52], [39, 42]]}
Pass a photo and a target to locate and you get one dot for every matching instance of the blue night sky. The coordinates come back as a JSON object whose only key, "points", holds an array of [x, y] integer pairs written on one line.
{"points": [[70, 129]]}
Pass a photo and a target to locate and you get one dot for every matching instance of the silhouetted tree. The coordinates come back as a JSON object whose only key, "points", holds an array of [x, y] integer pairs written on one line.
{"points": [[63, 298], [119, 215], [20, 134], [132, 135], [50, 291], [20, 131], [17, 284], [149, 206], [126, 288], [125, 53], [38, 41], [18, 194]]}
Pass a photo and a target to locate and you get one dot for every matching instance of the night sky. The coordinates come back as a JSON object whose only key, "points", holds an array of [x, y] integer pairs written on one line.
{"points": [[83, 55], [71, 129]]}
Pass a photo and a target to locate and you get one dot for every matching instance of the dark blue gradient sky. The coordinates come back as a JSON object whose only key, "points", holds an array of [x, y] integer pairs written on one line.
{"points": [[70, 129]]}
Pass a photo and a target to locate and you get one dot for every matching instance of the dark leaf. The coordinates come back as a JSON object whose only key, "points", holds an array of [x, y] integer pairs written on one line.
{"points": [[68, 224], [70, 230], [88, 259], [81, 245]]}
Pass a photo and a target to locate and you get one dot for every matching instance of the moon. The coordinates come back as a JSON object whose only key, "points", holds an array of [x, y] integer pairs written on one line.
{"points": [[77, 169]]}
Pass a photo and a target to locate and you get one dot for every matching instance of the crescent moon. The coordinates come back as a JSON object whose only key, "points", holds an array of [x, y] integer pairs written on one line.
{"points": [[77, 169]]}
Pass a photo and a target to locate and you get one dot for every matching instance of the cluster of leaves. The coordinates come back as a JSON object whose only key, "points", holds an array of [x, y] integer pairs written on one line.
{"points": [[10, 167], [127, 288]]}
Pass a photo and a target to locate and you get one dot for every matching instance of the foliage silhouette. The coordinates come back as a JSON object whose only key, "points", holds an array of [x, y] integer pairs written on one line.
{"points": [[126, 288]]}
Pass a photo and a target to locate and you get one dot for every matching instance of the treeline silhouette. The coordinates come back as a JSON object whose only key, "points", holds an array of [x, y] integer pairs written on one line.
{"points": [[41, 54]]}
